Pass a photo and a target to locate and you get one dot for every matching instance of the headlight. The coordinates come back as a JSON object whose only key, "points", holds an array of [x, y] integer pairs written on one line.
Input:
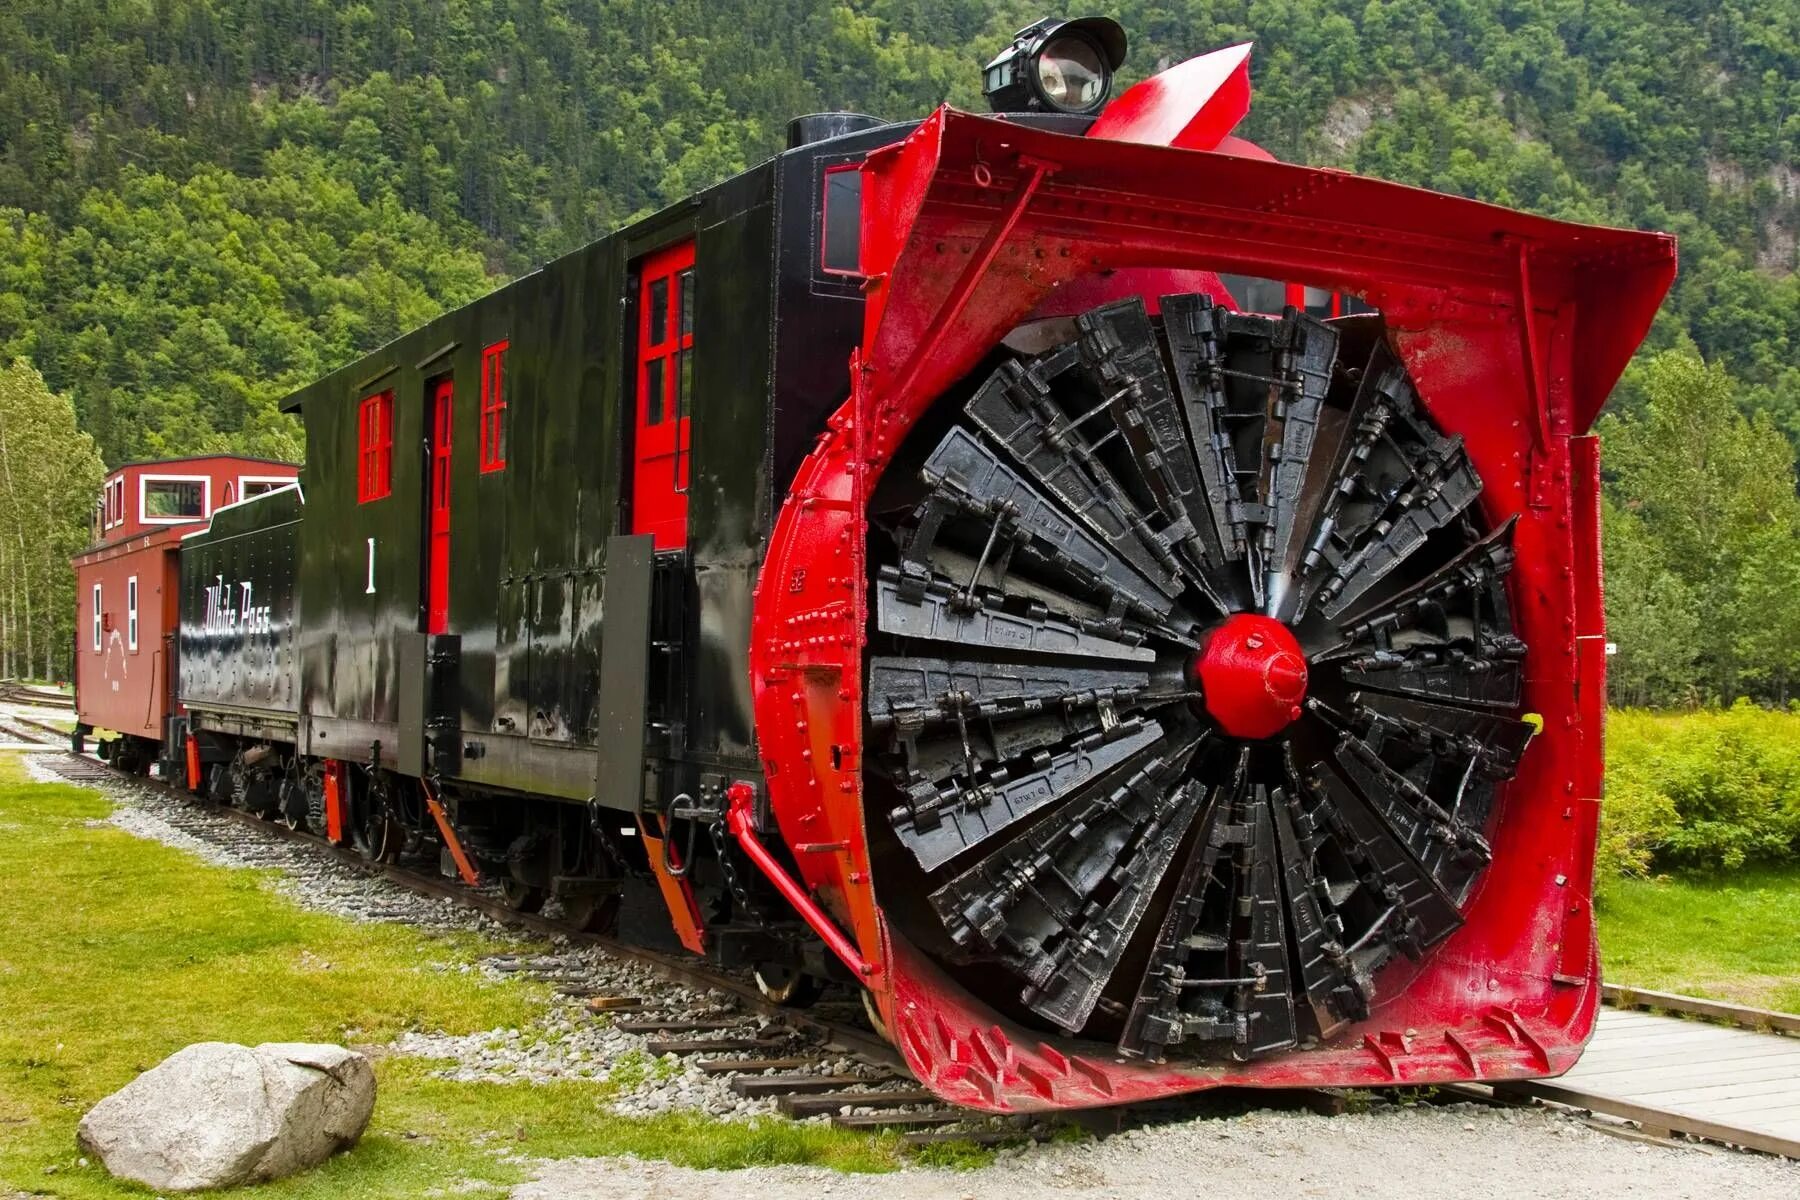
{"points": [[1056, 66]]}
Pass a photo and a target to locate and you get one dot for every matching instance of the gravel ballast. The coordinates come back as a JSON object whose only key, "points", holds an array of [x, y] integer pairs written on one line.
{"points": [[1424, 1153]]}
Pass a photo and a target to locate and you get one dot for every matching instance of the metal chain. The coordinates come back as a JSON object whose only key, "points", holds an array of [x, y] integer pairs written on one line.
{"points": [[740, 895]]}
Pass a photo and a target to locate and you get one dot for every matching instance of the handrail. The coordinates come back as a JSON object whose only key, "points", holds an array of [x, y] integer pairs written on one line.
{"points": [[465, 866], [742, 824]]}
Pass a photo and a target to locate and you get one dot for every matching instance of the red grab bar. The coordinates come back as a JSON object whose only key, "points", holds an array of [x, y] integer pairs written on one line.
{"points": [[739, 820]]}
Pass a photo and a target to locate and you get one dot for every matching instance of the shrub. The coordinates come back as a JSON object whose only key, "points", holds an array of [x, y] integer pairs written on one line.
{"points": [[1700, 791]]}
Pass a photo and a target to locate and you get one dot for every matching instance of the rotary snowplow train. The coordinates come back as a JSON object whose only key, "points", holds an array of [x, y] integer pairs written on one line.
{"points": [[1130, 605]]}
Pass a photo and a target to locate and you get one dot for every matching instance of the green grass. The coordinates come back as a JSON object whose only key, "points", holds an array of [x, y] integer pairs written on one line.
{"points": [[1735, 936], [117, 951]]}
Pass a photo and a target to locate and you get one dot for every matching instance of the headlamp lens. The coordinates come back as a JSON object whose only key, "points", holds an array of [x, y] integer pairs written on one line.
{"points": [[1071, 73]]}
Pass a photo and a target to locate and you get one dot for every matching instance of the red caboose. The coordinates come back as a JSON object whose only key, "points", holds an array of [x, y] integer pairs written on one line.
{"points": [[126, 585]]}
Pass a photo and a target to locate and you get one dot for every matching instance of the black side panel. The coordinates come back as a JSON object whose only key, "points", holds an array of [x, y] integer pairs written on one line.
{"points": [[239, 608], [409, 751], [430, 734], [729, 498], [624, 672]]}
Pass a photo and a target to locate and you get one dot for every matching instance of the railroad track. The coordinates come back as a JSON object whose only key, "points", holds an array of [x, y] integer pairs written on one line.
{"points": [[22, 729], [1648, 1071], [12, 692], [32, 730]]}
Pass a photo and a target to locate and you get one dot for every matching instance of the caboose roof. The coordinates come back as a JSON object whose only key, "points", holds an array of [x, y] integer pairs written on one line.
{"points": [[193, 458]]}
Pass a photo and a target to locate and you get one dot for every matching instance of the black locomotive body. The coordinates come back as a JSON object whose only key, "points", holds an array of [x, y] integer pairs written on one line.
{"points": [[459, 595]]}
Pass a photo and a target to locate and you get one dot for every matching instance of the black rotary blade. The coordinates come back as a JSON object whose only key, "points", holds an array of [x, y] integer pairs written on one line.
{"points": [[1059, 796]]}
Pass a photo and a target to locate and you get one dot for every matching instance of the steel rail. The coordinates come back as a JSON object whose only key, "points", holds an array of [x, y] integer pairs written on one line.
{"points": [[1763, 1020], [1652, 1120]]}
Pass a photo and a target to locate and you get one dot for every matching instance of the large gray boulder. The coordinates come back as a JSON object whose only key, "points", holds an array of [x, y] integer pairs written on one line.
{"points": [[217, 1115]]}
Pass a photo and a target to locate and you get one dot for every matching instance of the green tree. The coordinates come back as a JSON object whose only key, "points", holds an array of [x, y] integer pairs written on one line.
{"points": [[1703, 536], [178, 313], [1651, 617], [50, 473]]}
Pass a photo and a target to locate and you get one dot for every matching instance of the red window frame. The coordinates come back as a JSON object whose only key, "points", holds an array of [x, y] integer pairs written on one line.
{"points": [[493, 406], [825, 266], [442, 418], [375, 447], [666, 340], [662, 424]]}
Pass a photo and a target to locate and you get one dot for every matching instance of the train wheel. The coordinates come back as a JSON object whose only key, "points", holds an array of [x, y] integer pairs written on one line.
{"points": [[596, 913], [131, 757], [1191, 651], [788, 986], [377, 836], [872, 1012], [521, 896], [312, 789], [291, 795], [218, 785]]}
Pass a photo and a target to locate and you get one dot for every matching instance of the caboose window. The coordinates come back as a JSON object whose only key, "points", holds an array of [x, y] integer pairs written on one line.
{"points": [[131, 613], [493, 406], [163, 499], [97, 618], [250, 486], [375, 447], [841, 253]]}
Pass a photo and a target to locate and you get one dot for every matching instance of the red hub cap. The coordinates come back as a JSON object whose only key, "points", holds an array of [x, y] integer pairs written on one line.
{"points": [[1252, 676]]}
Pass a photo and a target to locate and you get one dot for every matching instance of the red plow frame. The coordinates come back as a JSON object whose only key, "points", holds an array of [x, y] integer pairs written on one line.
{"points": [[1514, 329]]}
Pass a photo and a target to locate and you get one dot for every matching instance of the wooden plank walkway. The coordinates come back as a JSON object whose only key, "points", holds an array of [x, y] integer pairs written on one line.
{"points": [[1679, 1076]]}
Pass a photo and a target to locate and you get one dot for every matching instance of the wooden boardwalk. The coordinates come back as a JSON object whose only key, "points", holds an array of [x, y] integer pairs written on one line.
{"points": [[1682, 1076]]}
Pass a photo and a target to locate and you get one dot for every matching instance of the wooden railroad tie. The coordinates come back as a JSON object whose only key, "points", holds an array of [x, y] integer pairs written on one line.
{"points": [[614, 1004], [758, 1086], [676, 1025], [916, 1120], [831, 1102], [712, 1045], [728, 1066]]}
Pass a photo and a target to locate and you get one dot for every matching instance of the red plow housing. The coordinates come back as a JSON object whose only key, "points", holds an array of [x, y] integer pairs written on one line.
{"points": [[1039, 958]]}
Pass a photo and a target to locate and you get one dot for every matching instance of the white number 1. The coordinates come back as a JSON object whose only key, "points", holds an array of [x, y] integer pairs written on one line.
{"points": [[370, 590]]}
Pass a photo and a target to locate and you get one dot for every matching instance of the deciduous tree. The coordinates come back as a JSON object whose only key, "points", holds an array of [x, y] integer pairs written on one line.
{"points": [[50, 473]]}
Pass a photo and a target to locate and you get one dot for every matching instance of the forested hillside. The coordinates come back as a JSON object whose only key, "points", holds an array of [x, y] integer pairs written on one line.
{"points": [[206, 202]]}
